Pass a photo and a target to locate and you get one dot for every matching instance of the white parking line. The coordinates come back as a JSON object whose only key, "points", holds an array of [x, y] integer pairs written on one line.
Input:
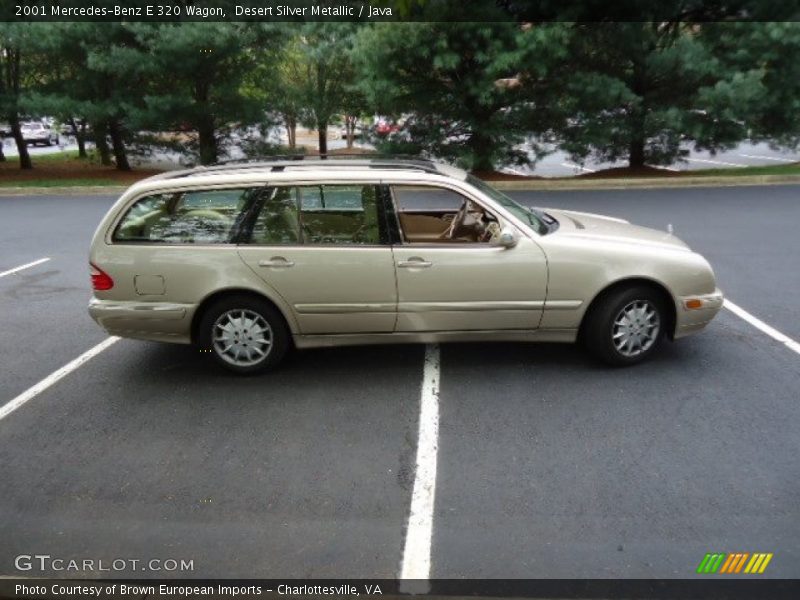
{"points": [[574, 166], [716, 162], [760, 325], [417, 551], [55, 376], [25, 266], [775, 158]]}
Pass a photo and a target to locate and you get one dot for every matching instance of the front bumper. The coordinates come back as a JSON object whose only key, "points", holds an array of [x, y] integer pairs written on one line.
{"points": [[689, 320], [156, 321]]}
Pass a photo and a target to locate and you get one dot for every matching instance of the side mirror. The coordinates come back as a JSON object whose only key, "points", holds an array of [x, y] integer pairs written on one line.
{"points": [[507, 238]]}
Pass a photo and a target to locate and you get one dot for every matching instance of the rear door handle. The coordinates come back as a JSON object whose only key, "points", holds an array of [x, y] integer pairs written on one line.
{"points": [[276, 262], [414, 263]]}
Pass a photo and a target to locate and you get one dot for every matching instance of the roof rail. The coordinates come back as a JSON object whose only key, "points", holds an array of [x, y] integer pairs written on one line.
{"points": [[372, 161]]}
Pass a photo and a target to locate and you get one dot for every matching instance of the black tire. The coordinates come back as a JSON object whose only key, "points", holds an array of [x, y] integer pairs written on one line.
{"points": [[249, 307], [601, 327]]}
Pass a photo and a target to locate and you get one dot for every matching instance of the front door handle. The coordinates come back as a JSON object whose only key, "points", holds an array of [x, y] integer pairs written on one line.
{"points": [[276, 262], [414, 263]]}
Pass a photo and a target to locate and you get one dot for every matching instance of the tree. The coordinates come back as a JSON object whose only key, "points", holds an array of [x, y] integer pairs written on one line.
{"points": [[767, 56], [449, 77], [276, 83], [326, 73], [641, 91], [13, 43], [195, 74]]}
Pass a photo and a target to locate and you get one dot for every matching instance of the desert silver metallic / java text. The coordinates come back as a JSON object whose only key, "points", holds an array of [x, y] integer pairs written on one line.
{"points": [[242, 337], [636, 328]]}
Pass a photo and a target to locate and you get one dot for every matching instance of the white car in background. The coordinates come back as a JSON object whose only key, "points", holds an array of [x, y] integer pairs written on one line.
{"points": [[35, 132]]}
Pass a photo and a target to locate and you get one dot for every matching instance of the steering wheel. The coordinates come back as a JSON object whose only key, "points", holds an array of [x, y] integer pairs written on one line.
{"points": [[458, 221]]}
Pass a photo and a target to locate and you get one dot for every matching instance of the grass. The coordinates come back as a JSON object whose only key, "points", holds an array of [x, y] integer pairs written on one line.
{"points": [[66, 169], [786, 169], [60, 183]]}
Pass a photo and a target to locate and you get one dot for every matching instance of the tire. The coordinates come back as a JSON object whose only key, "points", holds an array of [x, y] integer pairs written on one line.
{"points": [[627, 326], [245, 320]]}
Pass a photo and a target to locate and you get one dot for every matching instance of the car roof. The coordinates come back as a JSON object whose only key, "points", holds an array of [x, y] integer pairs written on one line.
{"points": [[312, 168]]}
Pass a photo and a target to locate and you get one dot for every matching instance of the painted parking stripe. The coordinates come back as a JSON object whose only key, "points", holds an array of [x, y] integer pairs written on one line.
{"points": [[54, 377], [574, 166], [716, 162], [417, 551], [25, 266], [761, 326], [775, 158]]}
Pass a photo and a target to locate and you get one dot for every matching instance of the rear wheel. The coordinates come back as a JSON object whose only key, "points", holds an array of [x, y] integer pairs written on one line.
{"points": [[627, 326], [244, 334]]}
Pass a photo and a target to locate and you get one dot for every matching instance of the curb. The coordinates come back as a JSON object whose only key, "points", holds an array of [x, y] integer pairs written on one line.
{"points": [[645, 183], [519, 185]]}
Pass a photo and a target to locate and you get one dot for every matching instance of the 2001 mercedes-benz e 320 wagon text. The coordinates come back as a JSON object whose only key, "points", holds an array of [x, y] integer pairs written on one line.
{"points": [[249, 260]]}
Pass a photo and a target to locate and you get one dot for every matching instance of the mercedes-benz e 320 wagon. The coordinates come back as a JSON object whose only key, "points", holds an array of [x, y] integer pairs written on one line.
{"points": [[249, 260]]}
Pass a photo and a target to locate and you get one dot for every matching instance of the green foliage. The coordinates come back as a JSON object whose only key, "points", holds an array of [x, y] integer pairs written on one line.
{"points": [[476, 93], [446, 76], [764, 59]]}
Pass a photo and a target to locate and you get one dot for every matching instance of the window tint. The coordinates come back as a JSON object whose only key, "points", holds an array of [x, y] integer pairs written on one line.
{"points": [[277, 221], [411, 198], [202, 217], [339, 214]]}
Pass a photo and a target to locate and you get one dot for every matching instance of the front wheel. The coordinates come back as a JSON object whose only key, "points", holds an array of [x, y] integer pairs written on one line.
{"points": [[627, 326], [244, 334]]}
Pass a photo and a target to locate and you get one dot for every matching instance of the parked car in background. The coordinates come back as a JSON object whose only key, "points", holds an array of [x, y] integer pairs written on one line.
{"points": [[384, 127], [249, 260], [36, 132]]}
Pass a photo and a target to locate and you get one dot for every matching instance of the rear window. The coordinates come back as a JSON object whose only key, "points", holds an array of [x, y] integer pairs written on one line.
{"points": [[196, 217]]}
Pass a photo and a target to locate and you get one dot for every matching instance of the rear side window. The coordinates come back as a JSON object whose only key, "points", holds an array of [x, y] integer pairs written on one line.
{"points": [[319, 214], [195, 217], [339, 214]]}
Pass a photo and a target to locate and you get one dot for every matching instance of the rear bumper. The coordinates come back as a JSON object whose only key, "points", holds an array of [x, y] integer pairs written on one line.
{"points": [[156, 321], [690, 320]]}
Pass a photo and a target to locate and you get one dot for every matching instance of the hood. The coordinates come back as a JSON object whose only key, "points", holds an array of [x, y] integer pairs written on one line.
{"points": [[598, 227]]}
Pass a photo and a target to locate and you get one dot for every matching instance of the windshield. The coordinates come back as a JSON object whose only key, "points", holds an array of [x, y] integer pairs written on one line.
{"points": [[538, 221]]}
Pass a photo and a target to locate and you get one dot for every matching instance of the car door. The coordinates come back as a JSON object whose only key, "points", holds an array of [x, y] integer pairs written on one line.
{"points": [[325, 250], [444, 285]]}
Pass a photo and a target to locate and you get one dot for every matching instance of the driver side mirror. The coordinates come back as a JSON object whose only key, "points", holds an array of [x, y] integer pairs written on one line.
{"points": [[507, 238]]}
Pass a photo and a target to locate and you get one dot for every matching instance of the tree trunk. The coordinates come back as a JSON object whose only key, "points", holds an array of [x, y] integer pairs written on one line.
{"points": [[350, 128], [2, 154], [636, 144], [636, 150], [322, 138], [481, 147], [118, 146], [80, 136], [11, 76], [291, 130], [100, 132], [22, 145], [207, 141]]}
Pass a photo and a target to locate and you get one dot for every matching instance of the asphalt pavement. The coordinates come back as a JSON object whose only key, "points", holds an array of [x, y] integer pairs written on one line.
{"points": [[548, 464]]}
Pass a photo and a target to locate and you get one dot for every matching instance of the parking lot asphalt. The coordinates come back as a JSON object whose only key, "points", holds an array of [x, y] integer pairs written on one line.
{"points": [[548, 464]]}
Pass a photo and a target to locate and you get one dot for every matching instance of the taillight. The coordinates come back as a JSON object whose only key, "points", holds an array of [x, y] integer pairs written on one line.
{"points": [[101, 280]]}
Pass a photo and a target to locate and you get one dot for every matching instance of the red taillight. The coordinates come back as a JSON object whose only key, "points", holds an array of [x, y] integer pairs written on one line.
{"points": [[101, 280]]}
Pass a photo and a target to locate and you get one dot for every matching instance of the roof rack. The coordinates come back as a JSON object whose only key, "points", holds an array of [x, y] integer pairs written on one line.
{"points": [[280, 162]]}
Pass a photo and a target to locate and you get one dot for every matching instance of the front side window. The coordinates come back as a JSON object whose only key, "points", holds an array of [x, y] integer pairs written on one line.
{"points": [[430, 215], [196, 217]]}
